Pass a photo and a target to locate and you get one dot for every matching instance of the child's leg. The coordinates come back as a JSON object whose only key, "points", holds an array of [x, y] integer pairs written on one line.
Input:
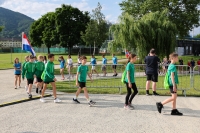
{"points": [[44, 89], [86, 94], [78, 92], [16, 77], [174, 100], [30, 88], [154, 86], [148, 85], [128, 94], [54, 89], [96, 72], [169, 99], [134, 87], [61, 72], [19, 77]]}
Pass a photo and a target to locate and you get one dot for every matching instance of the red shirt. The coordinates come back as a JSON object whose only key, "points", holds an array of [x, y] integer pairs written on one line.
{"points": [[198, 62], [188, 63]]}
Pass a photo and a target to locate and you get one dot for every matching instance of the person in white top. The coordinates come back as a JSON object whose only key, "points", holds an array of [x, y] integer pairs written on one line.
{"points": [[79, 60], [45, 60], [69, 65]]}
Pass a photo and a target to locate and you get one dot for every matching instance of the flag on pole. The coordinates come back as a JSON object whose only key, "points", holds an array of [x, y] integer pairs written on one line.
{"points": [[26, 46]]}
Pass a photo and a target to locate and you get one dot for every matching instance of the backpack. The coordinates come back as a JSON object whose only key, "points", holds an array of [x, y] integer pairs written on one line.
{"points": [[43, 74], [123, 77], [166, 81]]}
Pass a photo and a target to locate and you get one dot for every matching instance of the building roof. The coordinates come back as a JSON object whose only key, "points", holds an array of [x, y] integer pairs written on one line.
{"points": [[189, 39], [10, 39]]}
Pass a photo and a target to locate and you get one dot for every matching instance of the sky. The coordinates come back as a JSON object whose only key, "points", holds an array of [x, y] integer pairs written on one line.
{"points": [[36, 8]]}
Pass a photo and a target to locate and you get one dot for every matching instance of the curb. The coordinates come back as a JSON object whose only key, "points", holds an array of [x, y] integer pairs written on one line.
{"points": [[22, 100]]}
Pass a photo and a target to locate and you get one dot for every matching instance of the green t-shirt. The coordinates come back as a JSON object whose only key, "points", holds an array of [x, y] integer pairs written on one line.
{"points": [[29, 70], [39, 68], [49, 72], [172, 69], [83, 71], [131, 68]]}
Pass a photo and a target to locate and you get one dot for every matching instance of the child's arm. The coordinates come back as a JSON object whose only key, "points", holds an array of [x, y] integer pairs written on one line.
{"points": [[77, 78], [129, 80], [48, 72], [24, 71], [89, 75], [173, 81]]}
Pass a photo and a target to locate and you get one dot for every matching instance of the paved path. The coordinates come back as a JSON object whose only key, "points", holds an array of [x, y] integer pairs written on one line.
{"points": [[108, 116]]}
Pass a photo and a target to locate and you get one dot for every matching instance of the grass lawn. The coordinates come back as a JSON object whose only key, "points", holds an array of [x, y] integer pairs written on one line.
{"points": [[6, 62], [103, 86]]}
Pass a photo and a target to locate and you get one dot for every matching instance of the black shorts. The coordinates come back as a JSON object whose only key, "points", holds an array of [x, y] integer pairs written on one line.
{"points": [[114, 66], [39, 79], [30, 81], [47, 82], [17, 74], [82, 84], [171, 90], [152, 77]]}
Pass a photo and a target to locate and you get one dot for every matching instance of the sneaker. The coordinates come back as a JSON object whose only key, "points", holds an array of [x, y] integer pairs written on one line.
{"points": [[155, 94], [176, 112], [57, 100], [76, 100], [15, 87], [147, 94], [128, 107], [42, 100], [36, 90], [30, 96], [159, 107], [91, 103]]}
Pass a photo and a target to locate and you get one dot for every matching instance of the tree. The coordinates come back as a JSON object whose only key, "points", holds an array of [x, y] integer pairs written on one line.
{"points": [[1, 28], [70, 22], [183, 13], [153, 30], [97, 29], [43, 31], [197, 36]]}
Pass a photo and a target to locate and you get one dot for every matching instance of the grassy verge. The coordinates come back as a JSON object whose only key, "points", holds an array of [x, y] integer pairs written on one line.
{"points": [[102, 86]]}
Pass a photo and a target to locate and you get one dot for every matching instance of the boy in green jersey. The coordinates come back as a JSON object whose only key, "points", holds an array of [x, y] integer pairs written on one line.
{"points": [[173, 82], [81, 78], [29, 71], [23, 65], [38, 72], [49, 78]]}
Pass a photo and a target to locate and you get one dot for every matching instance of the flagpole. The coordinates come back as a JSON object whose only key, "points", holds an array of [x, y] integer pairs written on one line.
{"points": [[22, 47]]}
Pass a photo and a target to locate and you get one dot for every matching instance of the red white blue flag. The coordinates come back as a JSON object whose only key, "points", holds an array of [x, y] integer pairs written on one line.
{"points": [[26, 46]]}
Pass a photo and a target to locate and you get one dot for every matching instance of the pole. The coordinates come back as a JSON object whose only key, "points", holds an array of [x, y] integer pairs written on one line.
{"points": [[11, 50]]}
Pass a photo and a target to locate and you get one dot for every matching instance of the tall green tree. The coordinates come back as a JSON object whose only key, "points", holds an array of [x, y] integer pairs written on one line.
{"points": [[1, 28], [153, 30], [184, 13], [197, 36], [70, 22], [43, 31], [97, 29]]}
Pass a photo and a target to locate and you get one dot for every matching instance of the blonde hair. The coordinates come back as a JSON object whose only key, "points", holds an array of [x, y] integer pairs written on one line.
{"points": [[40, 57]]}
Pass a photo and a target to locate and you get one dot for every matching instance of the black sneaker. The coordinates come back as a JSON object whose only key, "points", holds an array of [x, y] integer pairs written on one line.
{"points": [[155, 94], [76, 100], [91, 103], [159, 107], [36, 90], [29, 96], [147, 94], [40, 92], [176, 112]]}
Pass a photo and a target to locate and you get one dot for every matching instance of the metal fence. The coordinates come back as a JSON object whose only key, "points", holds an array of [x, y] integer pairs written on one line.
{"points": [[187, 78], [195, 78]]}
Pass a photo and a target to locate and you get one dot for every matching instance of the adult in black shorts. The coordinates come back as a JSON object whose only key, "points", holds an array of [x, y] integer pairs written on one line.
{"points": [[152, 71]]}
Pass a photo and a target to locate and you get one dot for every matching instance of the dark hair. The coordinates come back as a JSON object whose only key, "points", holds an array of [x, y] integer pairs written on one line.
{"points": [[69, 56], [83, 57], [103, 55], [130, 57], [152, 51], [31, 57], [172, 55], [16, 59], [50, 56], [45, 58], [61, 57]]}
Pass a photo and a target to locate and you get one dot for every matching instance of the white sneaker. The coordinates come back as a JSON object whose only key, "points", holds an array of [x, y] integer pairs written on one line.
{"points": [[128, 107], [42, 100], [57, 100]]}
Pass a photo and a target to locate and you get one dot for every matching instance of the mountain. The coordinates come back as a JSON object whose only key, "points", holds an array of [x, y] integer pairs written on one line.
{"points": [[14, 23]]}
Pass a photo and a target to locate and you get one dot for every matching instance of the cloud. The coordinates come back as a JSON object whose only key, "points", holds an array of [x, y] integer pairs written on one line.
{"points": [[2, 1]]}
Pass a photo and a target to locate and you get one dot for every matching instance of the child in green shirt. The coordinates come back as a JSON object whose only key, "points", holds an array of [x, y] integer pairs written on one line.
{"points": [[81, 78], [130, 82], [38, 72], [23, 65], [49, 78], [29, 71], [173, 81]]}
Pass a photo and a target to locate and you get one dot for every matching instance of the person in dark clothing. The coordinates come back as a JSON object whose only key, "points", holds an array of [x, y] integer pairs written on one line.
{"points": [[152, 71], [192, 64]]}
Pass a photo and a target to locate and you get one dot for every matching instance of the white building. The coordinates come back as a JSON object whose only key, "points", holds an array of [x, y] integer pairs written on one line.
{"points": [[10, 42]]}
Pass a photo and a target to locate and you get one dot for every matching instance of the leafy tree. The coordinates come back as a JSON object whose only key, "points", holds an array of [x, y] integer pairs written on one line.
{"points": [[43, 31], [197, 36], [1, 28], [183, 13], [153, 30], [97, 29], [70, 22]]}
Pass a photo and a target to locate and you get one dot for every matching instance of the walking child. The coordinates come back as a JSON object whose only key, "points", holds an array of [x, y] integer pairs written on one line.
{"points": [[81, 78], [62, 66], [23, 65], [114, 59], [17, 67], [93, 63], [48, 77], [173, 82], [103, 68], [39, 70], [29, 71], [130, 82], [69, 66]]}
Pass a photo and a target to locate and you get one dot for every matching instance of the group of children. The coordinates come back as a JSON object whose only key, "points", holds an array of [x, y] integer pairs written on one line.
{"points": [[45, 75]]}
